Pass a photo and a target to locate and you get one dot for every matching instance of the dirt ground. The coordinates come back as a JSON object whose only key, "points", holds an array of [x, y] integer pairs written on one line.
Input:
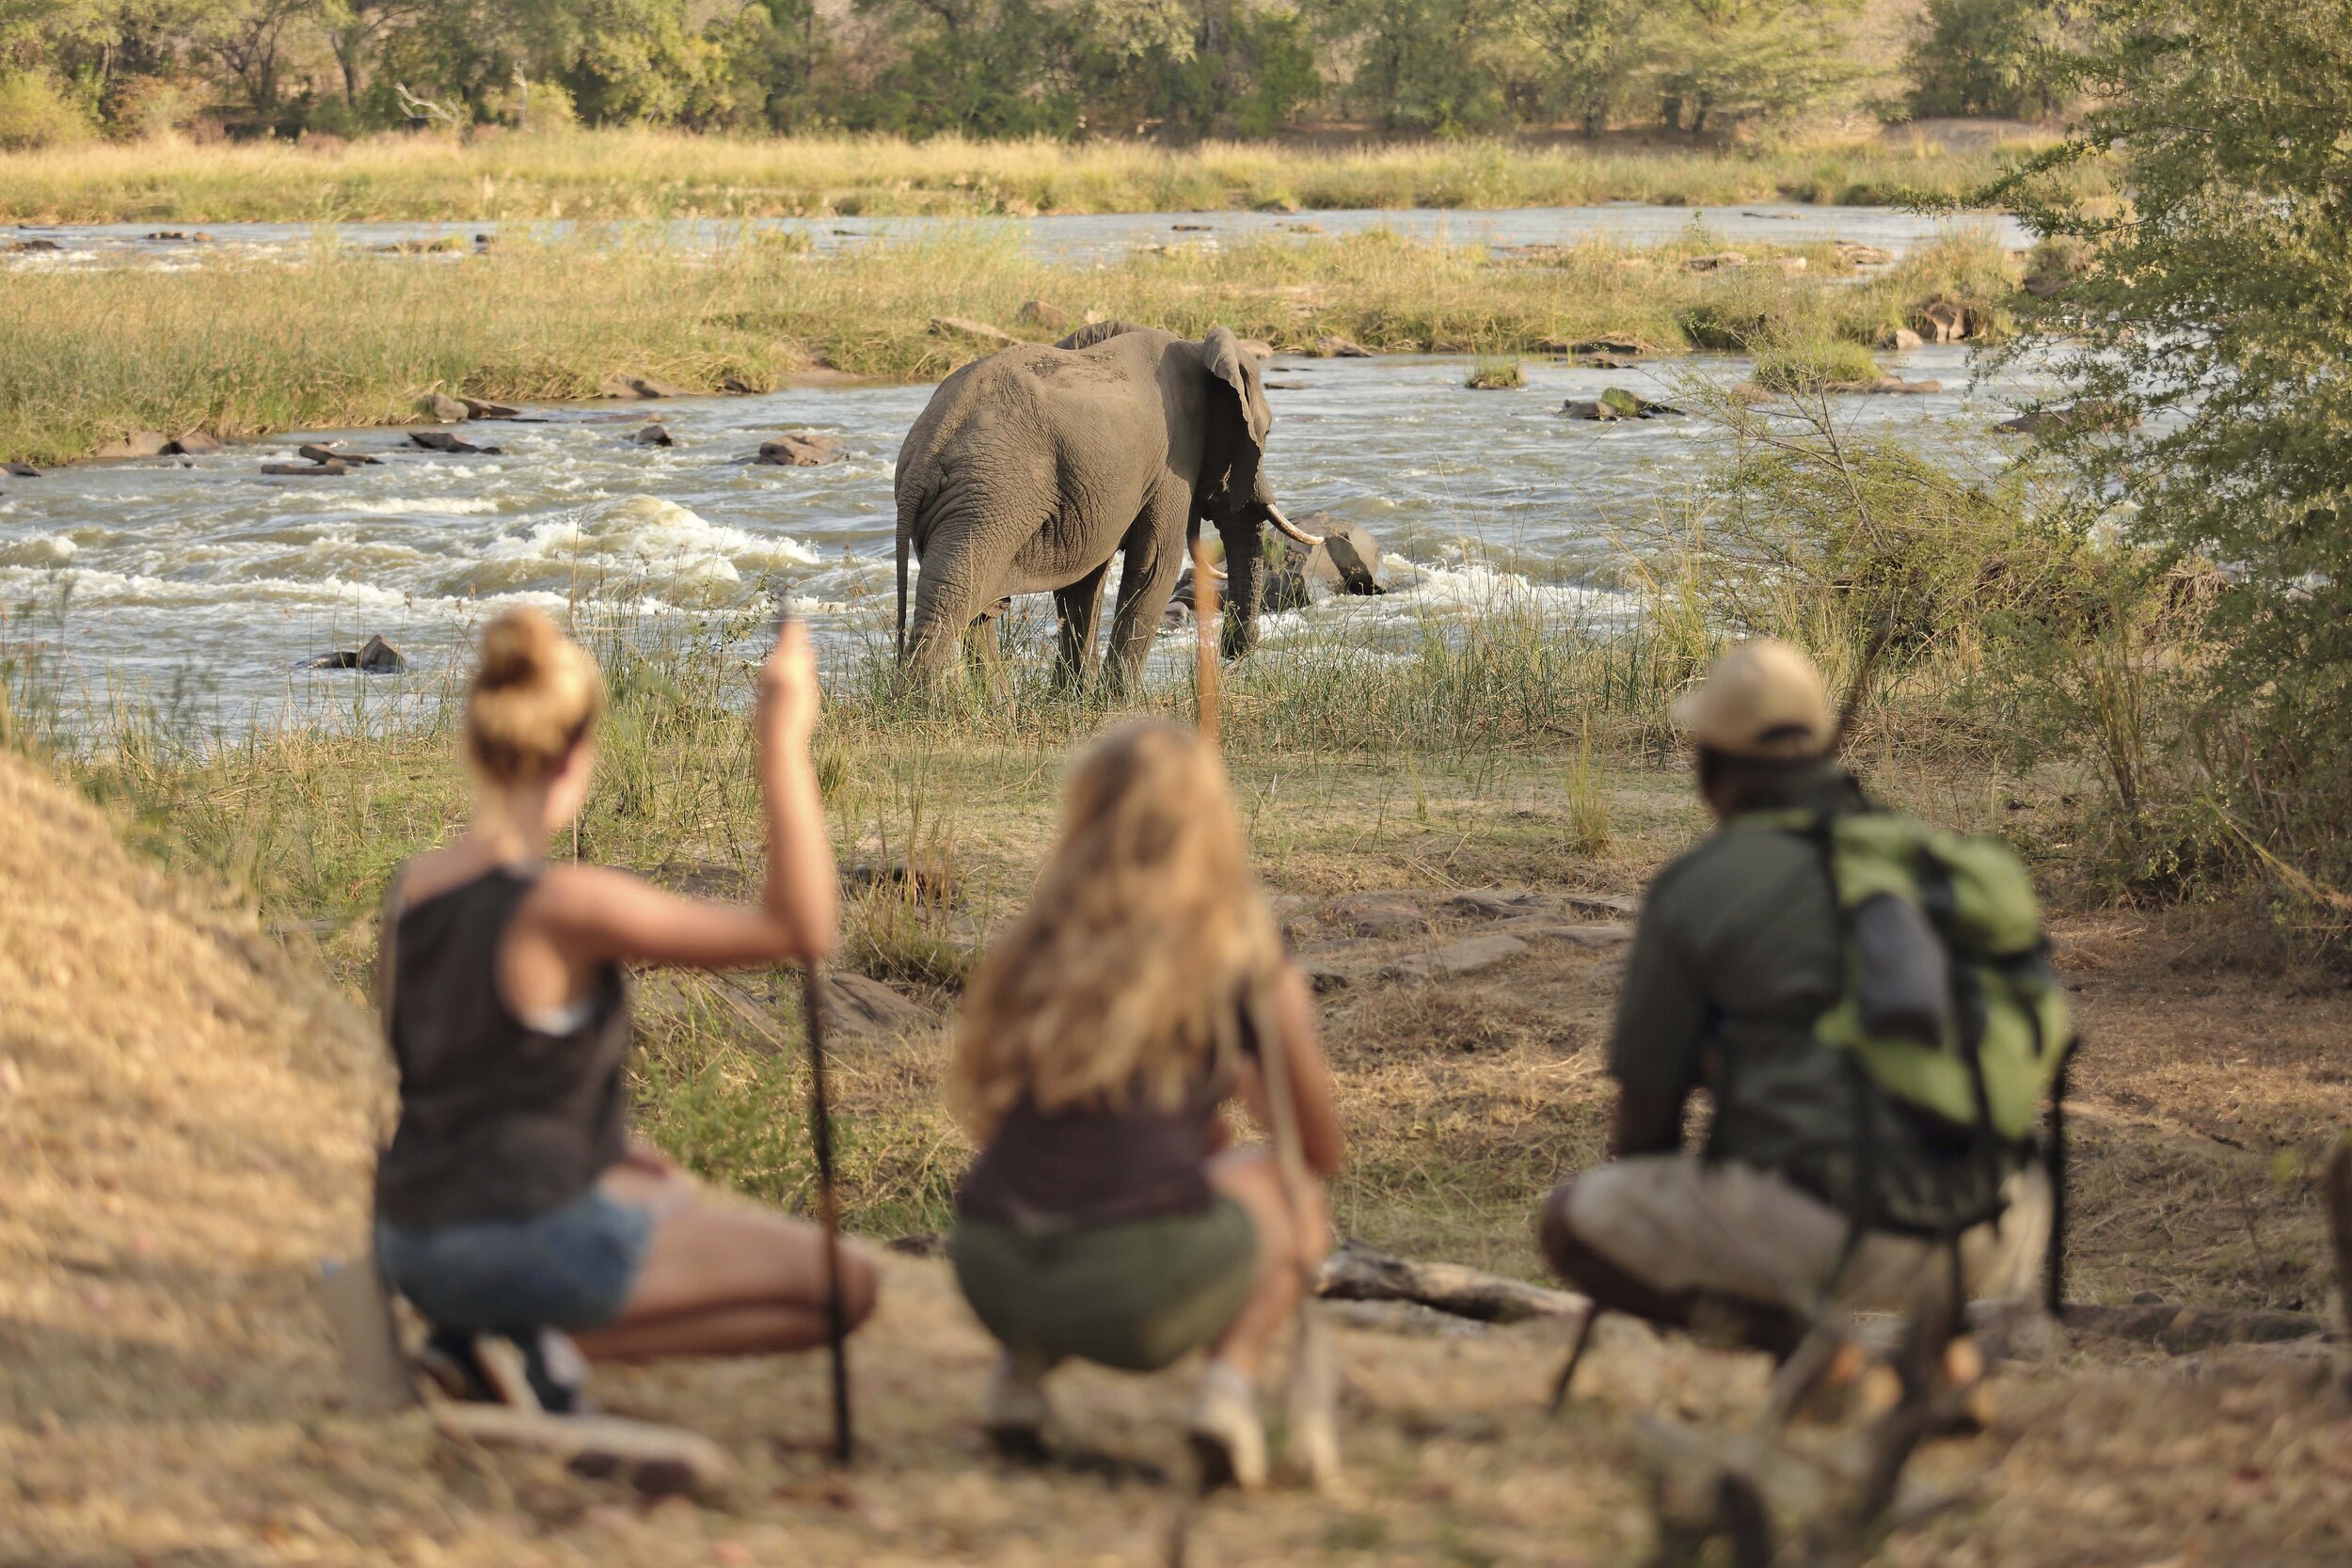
{"points": [[186, 1117]]}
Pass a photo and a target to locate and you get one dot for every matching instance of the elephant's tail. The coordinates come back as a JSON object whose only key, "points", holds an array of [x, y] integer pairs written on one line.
{"points": [[908, 506]]}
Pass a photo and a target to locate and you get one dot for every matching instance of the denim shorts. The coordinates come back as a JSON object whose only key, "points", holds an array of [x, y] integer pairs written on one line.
{"points": [[572, 1267]]}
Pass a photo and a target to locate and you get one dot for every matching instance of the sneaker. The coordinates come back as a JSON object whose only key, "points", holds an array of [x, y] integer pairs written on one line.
{"points": [[1015, 1410], [541, 1368], [1227, 1436]]}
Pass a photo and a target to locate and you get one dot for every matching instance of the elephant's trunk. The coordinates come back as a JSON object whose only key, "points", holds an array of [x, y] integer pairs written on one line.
{"points": [[1290, 529], [1245, 577]]}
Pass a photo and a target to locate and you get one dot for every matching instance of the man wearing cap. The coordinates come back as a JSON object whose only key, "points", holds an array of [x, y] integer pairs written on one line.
{"points": [[1738, 952]]}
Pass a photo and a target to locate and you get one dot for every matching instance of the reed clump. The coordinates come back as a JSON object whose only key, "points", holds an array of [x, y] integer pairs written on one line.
{"points": [[335, 340], [641, 173]]}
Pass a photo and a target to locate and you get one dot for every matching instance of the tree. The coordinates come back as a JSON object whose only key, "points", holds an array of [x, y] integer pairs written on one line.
{"points": [[1989, 56], [1427, 65], [1585, 45], [2211, 328], [250, 40], [1713, 64]]}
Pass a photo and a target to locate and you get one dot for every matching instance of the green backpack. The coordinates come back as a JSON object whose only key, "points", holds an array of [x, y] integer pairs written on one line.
{"points": [[1950, 1010]]}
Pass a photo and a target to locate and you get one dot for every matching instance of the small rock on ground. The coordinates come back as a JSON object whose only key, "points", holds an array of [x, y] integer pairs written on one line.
{"points": [[1466, 956], [1381, 914], [858, 1005], [1596, 935]]}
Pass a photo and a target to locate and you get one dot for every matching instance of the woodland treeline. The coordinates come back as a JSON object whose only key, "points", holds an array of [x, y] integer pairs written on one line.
{"points": [[1179, 68]]}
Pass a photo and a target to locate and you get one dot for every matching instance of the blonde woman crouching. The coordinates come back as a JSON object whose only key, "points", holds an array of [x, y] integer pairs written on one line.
{"points": [[1107, 1218], [512, 1199]]}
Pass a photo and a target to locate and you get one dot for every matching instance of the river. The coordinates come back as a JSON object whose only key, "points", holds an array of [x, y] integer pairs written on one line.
{"points": [[204, 582], [1087, 239]]}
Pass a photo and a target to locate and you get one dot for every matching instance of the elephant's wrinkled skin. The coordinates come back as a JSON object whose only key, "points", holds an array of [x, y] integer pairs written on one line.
{"points": [[1030, 468]]}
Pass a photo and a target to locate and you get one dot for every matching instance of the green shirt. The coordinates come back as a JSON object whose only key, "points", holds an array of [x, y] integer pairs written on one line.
{"points": [[1737, 953]]}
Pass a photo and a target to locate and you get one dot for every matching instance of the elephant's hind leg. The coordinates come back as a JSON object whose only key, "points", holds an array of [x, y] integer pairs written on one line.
{"points": [[1080, 608]]}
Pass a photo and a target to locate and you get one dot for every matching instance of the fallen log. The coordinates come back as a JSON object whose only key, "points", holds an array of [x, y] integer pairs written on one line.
{"points": [[1357, 1272]]}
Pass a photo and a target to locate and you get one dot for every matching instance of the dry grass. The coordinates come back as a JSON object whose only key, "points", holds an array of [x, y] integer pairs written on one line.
{"points": [[644, 173]]}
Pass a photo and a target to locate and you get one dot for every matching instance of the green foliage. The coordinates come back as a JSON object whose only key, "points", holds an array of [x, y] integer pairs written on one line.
{"points": [[1715, 65], [34, 113], [1989, 57], [2218, 322], [1814, 364]]}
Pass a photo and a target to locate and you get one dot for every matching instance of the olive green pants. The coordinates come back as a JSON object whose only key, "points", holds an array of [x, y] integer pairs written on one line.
{"points": [[1135, 1296]]}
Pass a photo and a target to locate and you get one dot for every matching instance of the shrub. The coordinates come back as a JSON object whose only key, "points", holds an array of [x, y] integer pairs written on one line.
{"points": [[35, 114], [1814, 364], [1495, 374]]}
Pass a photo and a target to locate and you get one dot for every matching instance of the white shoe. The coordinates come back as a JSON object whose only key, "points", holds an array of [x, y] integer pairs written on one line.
{"points": [[1014, 1409], [1227, 1436]]}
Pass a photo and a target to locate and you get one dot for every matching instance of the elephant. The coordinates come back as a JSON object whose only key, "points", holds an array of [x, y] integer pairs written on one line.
{"points": [[1030, 468]]}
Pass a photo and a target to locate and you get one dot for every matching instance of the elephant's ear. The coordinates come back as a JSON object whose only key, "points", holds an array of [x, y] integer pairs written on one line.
{"points": [[1225, 360]]}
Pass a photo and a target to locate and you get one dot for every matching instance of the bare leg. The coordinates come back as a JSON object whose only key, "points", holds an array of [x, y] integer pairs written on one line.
{"points": [[1288, 1249], [724, 1280]]}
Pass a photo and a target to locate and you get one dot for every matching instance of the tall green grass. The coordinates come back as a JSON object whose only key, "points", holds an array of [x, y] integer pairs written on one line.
{"points": [[646, 173]]}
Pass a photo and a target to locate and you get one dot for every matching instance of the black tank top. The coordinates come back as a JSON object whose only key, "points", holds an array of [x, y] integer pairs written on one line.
{"points": [[498, 1120]]}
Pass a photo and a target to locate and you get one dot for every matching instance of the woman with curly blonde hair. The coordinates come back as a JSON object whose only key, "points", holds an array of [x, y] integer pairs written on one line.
{"points": [[1107, 1219]]}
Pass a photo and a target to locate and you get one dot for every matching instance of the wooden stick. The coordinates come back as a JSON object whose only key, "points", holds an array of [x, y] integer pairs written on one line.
{"points": [[828, 1212]]}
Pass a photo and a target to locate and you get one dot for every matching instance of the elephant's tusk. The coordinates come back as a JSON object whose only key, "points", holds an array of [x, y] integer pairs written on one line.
{"points": [[1289, 528]]}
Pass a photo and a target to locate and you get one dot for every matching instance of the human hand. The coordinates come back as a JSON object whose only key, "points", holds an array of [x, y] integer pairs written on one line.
{"points": [[789, 693]]}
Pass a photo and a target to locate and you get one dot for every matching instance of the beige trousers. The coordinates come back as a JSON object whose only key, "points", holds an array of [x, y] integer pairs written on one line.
{"points": [[1679, 1223]]}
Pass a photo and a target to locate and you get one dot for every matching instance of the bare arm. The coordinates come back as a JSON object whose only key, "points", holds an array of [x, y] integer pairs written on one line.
{"points": [[1291, 1004], [592, 915]]}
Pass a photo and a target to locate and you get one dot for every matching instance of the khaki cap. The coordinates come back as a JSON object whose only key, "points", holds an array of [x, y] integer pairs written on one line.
{"points": [[1762, 698]]}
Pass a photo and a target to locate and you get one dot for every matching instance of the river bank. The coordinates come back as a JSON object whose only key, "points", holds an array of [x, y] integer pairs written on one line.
{"points": [[644, 173], [157, 1261], [339, 342]]}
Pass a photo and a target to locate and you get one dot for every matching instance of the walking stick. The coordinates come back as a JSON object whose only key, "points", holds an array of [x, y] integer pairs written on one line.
{"points": [[828, 1208], [1315, 1374]]}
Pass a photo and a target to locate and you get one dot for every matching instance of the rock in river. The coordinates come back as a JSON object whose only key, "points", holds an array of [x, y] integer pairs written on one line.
{"points": [[801, 450], [447, 410], [654, 435], [1333, 346], [318, 452], [138, 443], [441, 440], [374, 657]]}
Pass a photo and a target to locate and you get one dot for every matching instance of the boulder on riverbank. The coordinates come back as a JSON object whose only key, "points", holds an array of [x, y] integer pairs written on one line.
{"points": [[1333, 346], [193, 443], [138, 443], [979, 332], [1943, 321], [1047, 318], [632, 387]]}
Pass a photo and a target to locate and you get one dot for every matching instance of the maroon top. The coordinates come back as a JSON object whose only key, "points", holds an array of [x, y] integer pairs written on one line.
{"points": [[1084, 1167]]}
